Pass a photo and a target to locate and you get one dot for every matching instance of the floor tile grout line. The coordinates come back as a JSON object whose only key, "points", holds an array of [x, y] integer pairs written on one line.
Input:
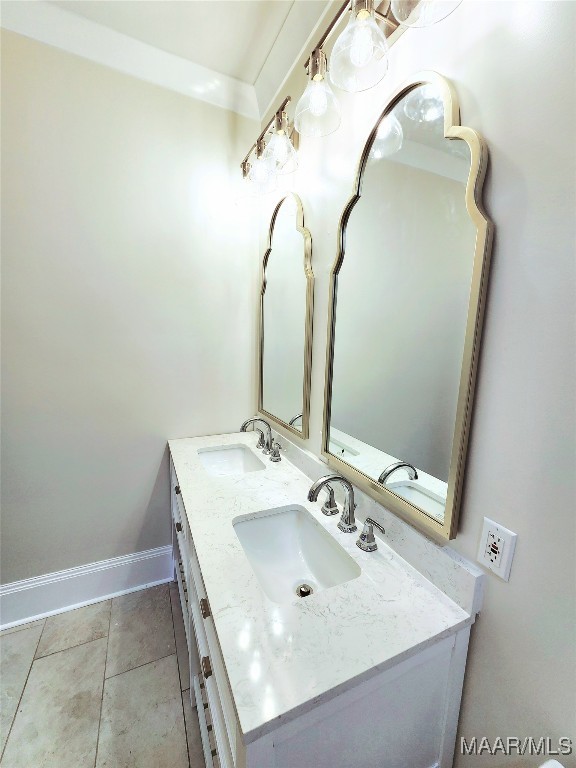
{"points": [[139, 666], [21, 695], [179, 676], [151, 660], [103, 684], [85, 642]]}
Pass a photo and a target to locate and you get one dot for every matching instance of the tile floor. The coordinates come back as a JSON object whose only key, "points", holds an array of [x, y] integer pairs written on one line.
{"points": [[105, 686]]}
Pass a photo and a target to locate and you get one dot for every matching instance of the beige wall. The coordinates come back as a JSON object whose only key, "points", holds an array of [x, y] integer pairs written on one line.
{"points": [[513, 67], [129, 275]]}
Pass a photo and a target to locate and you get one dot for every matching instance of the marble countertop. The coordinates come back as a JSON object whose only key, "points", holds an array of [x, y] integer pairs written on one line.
{"points": [[284, 659]]}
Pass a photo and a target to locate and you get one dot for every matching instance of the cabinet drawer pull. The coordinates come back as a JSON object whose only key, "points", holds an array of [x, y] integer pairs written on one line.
{"points": [[206, 667], [204, 608], [177, 490], [179, 527]]}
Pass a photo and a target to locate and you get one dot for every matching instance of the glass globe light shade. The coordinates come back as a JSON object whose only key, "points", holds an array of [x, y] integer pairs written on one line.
{"points": [[280, 155], [262, 176], [388, 139], [359, 58], [424, 104], [422, 13], [317, 111]]}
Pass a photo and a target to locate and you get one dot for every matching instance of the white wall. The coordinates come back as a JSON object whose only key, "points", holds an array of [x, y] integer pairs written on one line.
{"points": [[129, 274], [513, 67]]}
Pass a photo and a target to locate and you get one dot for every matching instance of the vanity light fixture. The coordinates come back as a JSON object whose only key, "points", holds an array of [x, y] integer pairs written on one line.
{"points": [[276, 156], [318, 111], [359, 58], [422, 13]]}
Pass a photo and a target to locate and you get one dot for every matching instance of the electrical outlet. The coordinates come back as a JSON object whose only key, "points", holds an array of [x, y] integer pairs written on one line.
{"points": [[496, 548]]}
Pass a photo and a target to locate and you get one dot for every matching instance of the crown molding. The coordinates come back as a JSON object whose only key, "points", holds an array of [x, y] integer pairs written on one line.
{"points": [[62, 29]]}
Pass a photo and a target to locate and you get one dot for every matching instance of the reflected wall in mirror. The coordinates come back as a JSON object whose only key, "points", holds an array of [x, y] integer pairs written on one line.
{"points": [[407, 296], [286, 309]]}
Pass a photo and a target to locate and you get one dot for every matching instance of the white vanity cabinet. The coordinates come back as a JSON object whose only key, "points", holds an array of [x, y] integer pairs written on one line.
{"points": [[209, 691], [400, 713]]}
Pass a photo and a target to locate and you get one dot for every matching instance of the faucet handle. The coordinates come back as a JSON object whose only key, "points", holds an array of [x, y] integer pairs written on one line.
{"points": [[261, 441], [275, 451], [367, 541], [329, 507]]}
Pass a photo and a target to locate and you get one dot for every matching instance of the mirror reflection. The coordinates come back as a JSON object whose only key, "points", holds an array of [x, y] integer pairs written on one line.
{"points": [[402, 297], [286, 318]]}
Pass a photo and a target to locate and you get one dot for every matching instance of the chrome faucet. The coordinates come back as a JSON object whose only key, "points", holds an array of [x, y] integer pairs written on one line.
{"points": [[412, 474], [347, 522], [266, 441]]}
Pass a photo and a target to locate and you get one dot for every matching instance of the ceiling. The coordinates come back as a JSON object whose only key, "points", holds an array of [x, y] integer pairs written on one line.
{"points": [[231, 37], [235, 54]]}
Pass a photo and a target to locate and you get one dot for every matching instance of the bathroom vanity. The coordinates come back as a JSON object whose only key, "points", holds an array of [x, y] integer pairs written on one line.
{"points": [[365, 671]]}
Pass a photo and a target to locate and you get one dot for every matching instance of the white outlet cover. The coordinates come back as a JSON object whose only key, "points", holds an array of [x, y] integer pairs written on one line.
{"points": [[496, 548]]}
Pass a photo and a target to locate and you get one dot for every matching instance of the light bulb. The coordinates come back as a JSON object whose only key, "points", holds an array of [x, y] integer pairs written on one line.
{"points": [[262, 176], [317, 112], [361, 49], [278, 148], [422, 13], [359, 58], [317, 98]]}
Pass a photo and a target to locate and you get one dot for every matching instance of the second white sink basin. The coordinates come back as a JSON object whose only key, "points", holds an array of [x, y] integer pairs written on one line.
{"points": [[341, 449], [433, 504], [287, 548], [229, 460]]}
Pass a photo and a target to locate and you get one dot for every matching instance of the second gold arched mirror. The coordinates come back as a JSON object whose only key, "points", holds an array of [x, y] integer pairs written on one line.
{"points": [[286, 308], [407, 293]]}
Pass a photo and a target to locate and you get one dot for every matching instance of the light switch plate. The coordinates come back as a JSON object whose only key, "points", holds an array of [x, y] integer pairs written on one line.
{"points": [[496, 548]]}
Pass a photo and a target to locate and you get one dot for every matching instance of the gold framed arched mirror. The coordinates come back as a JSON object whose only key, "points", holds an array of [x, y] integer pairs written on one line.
{"points": [[286, 310], [407, 295]]}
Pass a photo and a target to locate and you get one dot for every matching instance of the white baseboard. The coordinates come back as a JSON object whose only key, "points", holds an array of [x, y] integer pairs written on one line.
{"points": [[30, 599]]}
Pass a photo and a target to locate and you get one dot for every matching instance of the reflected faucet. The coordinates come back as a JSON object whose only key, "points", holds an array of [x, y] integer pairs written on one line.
{"points": [[347, 522], [412, 473], [266, 441], [294, 420]]}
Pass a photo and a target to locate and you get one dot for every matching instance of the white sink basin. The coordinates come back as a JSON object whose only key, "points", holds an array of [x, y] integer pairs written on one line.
{"points": [[433, 504], [286, 548], [229, 460]]}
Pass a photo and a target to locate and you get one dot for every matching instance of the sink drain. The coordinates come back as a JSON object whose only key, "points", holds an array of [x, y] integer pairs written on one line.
{"points": [[303, 590]]}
